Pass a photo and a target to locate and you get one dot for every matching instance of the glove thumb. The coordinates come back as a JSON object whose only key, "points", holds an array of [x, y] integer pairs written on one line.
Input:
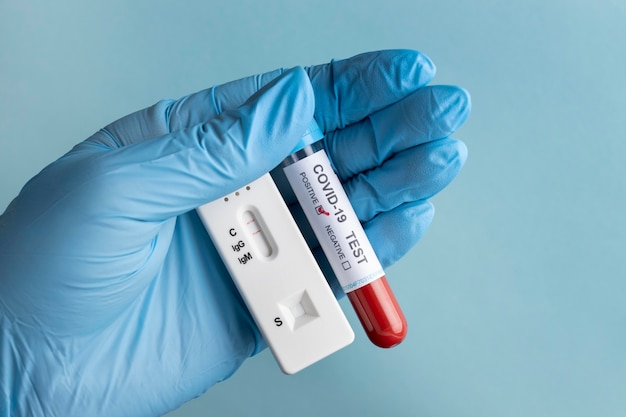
{"points": [[166, 176]]}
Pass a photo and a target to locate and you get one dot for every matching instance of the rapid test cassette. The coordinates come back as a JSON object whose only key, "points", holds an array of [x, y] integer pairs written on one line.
{"points": [[277, 275]]}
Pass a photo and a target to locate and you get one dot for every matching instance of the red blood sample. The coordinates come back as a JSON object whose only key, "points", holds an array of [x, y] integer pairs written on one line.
{"points": [[379, 313]]}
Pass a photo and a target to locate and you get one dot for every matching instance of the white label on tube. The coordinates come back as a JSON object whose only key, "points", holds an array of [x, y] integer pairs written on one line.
{"points": [[334, 221]]}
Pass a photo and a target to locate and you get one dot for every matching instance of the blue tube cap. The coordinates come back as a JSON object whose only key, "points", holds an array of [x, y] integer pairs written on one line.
{"points": [[312, 134]]}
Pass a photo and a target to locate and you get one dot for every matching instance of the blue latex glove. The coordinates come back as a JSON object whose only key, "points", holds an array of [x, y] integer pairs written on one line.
{"points": [[113, 301]]}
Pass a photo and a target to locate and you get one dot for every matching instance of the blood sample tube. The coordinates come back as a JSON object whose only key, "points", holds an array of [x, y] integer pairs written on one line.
{"points": [[344, 242]]}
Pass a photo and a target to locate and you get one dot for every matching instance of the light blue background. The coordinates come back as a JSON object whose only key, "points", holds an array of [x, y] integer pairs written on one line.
{"points": [[516, 297]]}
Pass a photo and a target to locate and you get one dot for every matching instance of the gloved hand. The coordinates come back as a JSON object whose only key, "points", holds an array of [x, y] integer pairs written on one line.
{"points": [[113, 300]]}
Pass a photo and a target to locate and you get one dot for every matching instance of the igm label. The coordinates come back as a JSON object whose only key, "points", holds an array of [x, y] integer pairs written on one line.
{"points": [[245, 258]]}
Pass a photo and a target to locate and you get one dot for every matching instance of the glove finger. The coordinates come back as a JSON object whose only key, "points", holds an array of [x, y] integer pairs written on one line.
{"points": [[428, 114], [171, 115], [199, 107], [415, 174], [167, 176], [347, 91], [395, 232]]}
